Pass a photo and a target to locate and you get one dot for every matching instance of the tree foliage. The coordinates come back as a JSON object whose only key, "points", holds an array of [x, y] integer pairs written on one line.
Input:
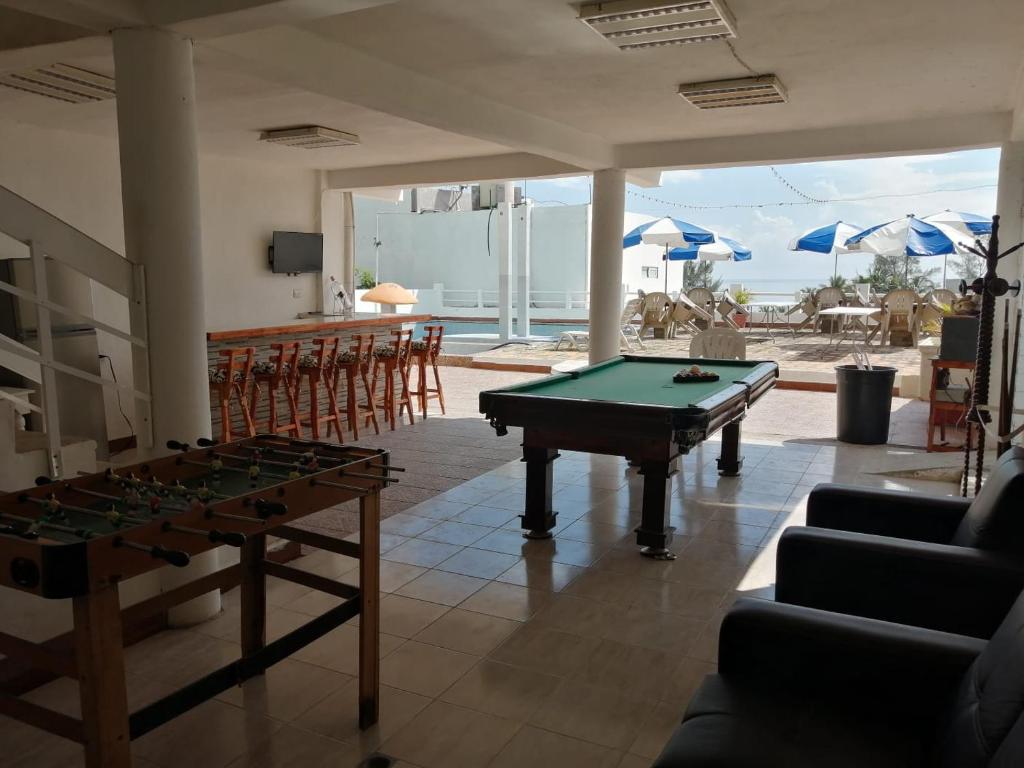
{"points": [[967, 266], [890, 273], [700, 274], [364, 279]]}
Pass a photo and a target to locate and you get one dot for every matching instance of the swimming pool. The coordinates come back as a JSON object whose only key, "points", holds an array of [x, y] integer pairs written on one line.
{"points": [[476, 328]]}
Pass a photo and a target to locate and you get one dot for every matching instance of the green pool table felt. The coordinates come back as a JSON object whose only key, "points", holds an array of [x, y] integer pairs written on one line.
{"points": [[639, 382]]}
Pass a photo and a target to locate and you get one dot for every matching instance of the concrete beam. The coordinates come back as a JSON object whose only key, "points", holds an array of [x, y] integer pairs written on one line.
{"points": [[303, 59], [1017, 128], [516, 165], [852, 141]]}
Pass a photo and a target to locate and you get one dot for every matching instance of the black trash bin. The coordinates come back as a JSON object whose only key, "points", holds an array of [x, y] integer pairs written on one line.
{"points": [[864, 401]]}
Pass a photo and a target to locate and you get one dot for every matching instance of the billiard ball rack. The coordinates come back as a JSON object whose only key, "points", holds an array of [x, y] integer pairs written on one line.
{"points": [[80, 538]]}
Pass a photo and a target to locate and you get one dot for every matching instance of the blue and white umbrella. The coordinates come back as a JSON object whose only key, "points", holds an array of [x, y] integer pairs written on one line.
{"points": [[828, 239], [667, 232], [910, 237], [969, 224], [723, 249]]}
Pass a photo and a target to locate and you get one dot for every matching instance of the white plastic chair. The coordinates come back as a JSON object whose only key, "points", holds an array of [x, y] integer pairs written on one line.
{"points": [[825, 298], [720, 344], [705, 299], [899, 311], [656, 312]]}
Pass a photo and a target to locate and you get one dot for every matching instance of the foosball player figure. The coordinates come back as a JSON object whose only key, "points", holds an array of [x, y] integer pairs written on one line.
{"points": [[216, 467], [132, 497], [295, 472], [203, 492], [310, 462], [254, 474]]}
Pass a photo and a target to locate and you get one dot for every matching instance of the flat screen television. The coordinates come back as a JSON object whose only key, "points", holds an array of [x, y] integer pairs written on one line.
{"points": [[294, 252]]}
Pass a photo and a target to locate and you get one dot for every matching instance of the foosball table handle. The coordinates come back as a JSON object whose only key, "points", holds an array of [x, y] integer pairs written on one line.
{"points": [[43, 480], [205, 442], [267, 509], [177, 445], [227, 537], [175, 557]]}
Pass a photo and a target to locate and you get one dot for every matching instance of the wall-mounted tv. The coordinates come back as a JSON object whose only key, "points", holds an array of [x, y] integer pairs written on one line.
{"points": [[295, 252]]}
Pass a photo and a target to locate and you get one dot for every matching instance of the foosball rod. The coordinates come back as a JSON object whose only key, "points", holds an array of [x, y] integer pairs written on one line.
{"points": [[25, 498], [249, 460], [82, 533], [360, 489], [173, 556], [213, 535], [367, 476]]}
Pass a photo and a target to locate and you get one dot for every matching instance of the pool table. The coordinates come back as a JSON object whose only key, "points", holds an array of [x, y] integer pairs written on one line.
{"points": [[627, 406]]}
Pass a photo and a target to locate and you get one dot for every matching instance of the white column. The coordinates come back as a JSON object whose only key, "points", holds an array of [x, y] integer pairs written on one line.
{"points": [[1010, 206], [606, 262], [156, 120], [505, 231], [523, 271], [348, 245]]}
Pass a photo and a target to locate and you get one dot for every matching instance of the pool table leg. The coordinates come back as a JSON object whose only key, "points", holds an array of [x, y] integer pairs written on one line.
{"points": [[538, 519], [730, 462], [654, 534]]}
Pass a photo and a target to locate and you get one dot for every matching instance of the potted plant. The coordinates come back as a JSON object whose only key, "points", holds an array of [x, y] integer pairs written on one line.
{"points": [[742, 297]]}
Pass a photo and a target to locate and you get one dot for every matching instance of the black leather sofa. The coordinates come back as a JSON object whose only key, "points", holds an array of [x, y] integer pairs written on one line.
{"points": [[800, 687], [938, 562]]}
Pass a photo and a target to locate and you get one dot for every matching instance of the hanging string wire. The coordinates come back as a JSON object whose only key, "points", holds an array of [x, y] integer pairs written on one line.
{"points": [[744, 64], [782, 180], [793, 203]]}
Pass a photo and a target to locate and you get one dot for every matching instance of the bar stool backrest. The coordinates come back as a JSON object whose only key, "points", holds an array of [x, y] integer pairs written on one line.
{"points": [[433, 341], [326, 351], [286, 362], [362, 348], [401, 342], [235, 365]]}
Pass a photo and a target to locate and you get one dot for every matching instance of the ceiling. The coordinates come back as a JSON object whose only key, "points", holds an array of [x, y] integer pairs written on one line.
{"points": [[427, 81]]}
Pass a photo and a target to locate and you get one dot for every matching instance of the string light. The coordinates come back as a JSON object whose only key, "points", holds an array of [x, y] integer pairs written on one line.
{"points": [[795, 203]]}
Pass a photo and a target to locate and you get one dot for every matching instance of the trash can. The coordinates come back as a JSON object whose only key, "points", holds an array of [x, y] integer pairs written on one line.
{"points": [[864, 401]]}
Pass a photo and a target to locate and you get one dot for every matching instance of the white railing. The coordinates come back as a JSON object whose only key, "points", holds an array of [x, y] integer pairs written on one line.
{"points": [[50, 238], [484, 299]]}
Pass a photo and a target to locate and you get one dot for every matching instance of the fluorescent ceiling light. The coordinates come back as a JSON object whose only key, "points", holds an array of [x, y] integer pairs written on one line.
{"points": [[63, 83], [636, 24], [741, 92], [310, 137]]}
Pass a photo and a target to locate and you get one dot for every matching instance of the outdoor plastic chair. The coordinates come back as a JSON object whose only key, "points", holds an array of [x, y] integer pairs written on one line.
{"points": [[942, 296], [720, 344], [825, 298], [685, 316], [705, 299], [899, 311], [627, 331], [656, 312]]}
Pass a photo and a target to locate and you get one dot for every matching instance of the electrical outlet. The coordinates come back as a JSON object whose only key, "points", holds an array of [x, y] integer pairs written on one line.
{"points": [[297, 293]]}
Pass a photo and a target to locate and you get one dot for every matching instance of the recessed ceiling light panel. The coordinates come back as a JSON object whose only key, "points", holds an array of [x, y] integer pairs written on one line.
{"points": [[310, 137], [62, 82], [636, 24], [741, 92]]}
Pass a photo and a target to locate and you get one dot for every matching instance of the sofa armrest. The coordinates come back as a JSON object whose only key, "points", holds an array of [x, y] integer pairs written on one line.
{"points": [[951, 589], [886, 513], [793, 648]]}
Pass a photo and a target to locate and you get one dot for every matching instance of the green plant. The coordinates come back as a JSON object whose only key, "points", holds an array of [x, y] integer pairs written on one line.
{"points": [[837, 281], [742, 296], [364, 279], [890, 273], [700, 274]]}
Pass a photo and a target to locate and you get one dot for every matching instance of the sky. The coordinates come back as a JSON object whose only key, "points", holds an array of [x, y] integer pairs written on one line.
{"points": [[900, 185]]}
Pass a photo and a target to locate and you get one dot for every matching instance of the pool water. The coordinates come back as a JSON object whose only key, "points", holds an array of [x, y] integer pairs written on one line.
{"points": [[469, 327]]}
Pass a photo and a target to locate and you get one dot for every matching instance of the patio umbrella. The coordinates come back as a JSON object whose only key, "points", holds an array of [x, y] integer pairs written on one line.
{"points": [[828, 239], [668, 232], [723, 249], [971, 225], [390, 293], [909, 237]]}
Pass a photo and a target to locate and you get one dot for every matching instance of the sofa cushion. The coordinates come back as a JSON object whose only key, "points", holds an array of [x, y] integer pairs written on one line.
{"points": [[741, 726], [993, 520]]}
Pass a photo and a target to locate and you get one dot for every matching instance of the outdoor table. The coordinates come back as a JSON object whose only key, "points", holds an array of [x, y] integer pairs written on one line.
{"points": [[852, 316], [771, 310]]}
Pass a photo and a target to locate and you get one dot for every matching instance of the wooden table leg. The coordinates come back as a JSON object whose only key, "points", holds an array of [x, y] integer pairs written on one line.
{"points": [[253, 594], [100, 654], [730, 462], [538, 518], [654, 534], [369, 609]]}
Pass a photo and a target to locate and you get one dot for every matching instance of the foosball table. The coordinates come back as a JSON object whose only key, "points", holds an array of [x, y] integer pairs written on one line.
{"points": [[80, 538]]}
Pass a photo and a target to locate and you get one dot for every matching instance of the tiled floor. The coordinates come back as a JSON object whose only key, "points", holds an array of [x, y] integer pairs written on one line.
{"points": [[500, 651]]}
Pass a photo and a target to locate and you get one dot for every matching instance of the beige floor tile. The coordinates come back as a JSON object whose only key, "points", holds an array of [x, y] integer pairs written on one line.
{"points": [[447, 736], [406, 525], [339, 649], [211, 735], [292, 748], [468, 632], [578, 616], [227, 624], [648, 628], [510, 542], [633, 761], [499, 689], [286, 690], [424, 669], [421, 552], [541, 574], [607, 586], [337, 716], [281, 592], [593, 714], [324, 563], [590, 530], [315, 603], [452, 532], [508, 601], [480, 563], [442, 587], [393, 576], [673, 597], [488, 516], [543, 749], [546, 650], [656, 730], [405, 616], [642, 673], [28, 747], [684, 681]]}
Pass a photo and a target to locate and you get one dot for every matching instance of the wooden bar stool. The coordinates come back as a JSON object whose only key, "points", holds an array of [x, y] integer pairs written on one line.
{"points": [[274, 376], [320, 368], [424, 352], [354, 367], [232, 377], [389, 359]]}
